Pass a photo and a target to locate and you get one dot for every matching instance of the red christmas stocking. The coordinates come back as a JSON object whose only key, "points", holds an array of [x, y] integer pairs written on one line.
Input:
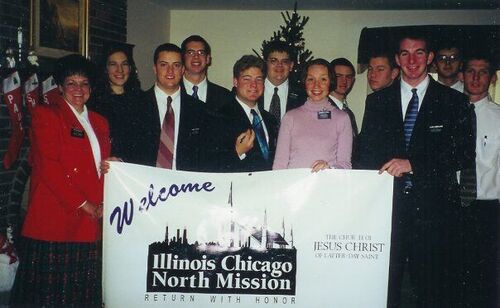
{"points": [[50, 91], [13, 99], [32, 93]]}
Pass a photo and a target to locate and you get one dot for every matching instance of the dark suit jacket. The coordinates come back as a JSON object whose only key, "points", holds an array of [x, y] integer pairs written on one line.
{"points": [[189, 140], [217, 96], [441, 142], [233, 121], [296, 98]]}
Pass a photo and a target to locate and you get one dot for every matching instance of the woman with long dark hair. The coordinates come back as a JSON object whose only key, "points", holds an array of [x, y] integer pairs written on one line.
{"points": [[118, 98]]}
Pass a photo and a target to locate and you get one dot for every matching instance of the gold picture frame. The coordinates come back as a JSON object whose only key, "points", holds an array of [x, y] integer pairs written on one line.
{"points": [[59, 27]]}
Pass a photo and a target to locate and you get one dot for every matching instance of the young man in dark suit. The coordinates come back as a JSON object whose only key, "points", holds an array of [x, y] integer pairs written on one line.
{"points": [[420, 132], [345, 76], [280, 95], [173, 122], [196, 53], [248, 134]]}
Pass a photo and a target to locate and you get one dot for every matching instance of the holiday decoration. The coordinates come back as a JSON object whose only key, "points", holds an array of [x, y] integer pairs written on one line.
{"points": [[292, 33], [13, 99], [49, 90]]}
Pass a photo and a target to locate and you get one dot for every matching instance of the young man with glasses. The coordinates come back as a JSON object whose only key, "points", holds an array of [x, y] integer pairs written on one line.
{"points": [[196, 53], [448, 65], [280, 95]]}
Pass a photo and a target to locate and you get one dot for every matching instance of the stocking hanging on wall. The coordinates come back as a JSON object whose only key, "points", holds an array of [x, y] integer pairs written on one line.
{"points": [[32, 92], [13, 99], [50, 91]]}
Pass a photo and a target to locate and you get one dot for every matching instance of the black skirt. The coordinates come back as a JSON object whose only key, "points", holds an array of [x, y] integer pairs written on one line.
{"points": [[57, 274]]}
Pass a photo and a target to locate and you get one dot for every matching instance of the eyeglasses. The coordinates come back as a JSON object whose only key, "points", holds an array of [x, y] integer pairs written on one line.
{"points": [[275, 61], [445, 58], [192, 52]]}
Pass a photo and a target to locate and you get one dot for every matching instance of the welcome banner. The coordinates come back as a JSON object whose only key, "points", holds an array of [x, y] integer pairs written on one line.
{"points": [[281, 238]]}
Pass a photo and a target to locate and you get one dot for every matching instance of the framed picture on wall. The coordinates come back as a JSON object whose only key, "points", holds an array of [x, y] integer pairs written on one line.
{"points": [[59, 27]]}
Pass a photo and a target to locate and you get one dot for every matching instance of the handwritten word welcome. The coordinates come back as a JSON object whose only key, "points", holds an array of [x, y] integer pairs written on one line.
{"points": [[125, 214]]}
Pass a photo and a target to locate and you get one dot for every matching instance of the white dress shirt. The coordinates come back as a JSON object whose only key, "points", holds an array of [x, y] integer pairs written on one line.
{"points": [[250, 116], [161, 100], [202, 88], [282, 93], [406, 93], [487, 149], [459, 86], [83, 118], [338, 102]]}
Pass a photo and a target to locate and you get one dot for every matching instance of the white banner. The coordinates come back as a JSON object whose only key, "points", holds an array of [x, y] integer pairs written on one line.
{"points": [[281, 238]]}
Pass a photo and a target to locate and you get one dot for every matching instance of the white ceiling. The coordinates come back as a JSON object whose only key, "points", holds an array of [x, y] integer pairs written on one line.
{"points": [[330, 4]]}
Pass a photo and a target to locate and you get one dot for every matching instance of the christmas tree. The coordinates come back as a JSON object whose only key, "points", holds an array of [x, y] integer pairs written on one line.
{"points": [[292, 34]]}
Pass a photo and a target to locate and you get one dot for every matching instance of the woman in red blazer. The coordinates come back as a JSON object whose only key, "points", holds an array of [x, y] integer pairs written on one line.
{"points": [[59, 264]]}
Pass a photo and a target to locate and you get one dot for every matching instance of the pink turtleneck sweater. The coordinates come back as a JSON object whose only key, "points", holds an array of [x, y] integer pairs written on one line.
{"points": [[304, 139]]}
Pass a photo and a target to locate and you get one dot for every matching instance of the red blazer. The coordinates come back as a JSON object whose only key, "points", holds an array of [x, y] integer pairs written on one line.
{"points": [[64, 175]]}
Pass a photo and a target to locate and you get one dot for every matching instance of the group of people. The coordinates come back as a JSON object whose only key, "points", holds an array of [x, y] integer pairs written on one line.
{"points": [[420, 131]]}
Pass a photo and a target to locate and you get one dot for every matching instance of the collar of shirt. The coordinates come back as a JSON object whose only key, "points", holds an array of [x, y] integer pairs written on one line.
{"points": [[337, 102], [406, 93], [83, 118], [282, 93], [247, 110], [482, 103], [202, 88]]}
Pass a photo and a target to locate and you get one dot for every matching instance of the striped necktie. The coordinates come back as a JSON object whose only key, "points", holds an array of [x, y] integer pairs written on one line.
{"points": [[259, 134], [165, 156], [410, 117]]}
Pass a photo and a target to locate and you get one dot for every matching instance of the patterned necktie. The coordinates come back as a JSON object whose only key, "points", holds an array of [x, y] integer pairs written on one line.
{"points": [[275, 108], [195, 92], [259, 133], [411, 117], [468, 177], [349, 112], [165, 156]]}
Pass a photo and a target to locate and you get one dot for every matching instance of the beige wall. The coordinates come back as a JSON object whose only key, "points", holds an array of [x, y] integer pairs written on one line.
{"points": [[148, 24], [328, 34]]}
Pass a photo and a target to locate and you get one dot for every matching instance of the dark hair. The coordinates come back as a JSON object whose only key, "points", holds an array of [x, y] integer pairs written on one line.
{"points": [[341, 61], [449, 44], [278, 46], [416, 35], [384, 54], [195, 38], [132, 85], [476, 55], [74, 64], [322, 62], [246, 62], [166, 47]]}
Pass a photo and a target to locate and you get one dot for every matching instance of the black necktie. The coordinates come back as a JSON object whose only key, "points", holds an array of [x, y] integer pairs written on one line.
{"points": [[349, 112], [195, 92], [275, 108], [468, 177]]}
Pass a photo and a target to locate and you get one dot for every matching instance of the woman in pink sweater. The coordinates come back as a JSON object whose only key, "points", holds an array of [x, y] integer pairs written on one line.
{"points": [[316, 135]]}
